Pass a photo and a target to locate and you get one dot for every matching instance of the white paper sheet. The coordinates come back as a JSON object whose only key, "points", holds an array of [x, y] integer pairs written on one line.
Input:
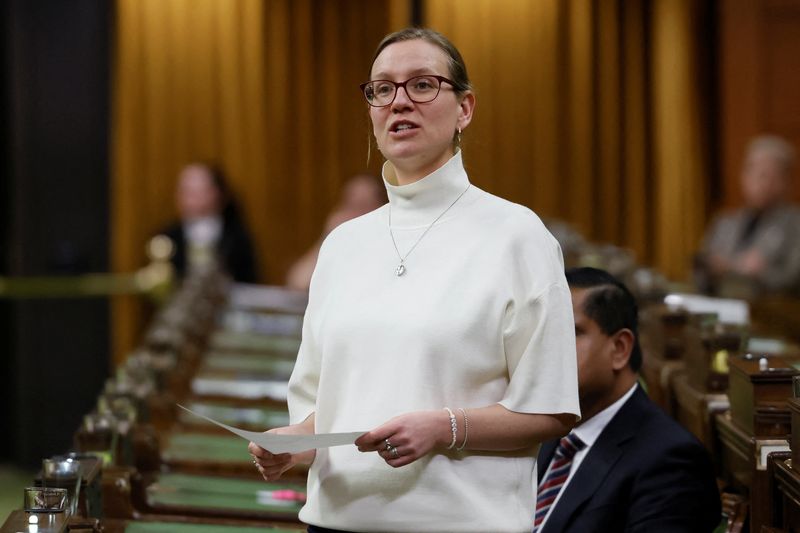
{"points": [[287, 443]]}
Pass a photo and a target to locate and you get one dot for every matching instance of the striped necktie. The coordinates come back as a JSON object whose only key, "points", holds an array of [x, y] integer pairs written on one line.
{"points": [[555, 477]]}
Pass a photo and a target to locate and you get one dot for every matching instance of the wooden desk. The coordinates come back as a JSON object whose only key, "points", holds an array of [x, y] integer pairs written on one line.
{"points": [[193, 525], [759, 398], [743, 463], [786, 496], [192, 475], [657, 373], [129, 495], [695, 409], [17, 522]]}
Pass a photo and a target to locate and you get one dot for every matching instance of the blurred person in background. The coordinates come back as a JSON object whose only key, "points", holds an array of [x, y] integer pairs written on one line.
{"points": [[210, 227], [361, 194], [759, 243]]}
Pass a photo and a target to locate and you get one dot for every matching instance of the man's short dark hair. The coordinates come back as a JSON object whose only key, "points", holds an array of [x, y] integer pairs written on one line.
{"points": [[609, 304]]}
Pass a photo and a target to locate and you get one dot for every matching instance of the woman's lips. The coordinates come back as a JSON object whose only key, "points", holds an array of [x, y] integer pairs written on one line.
{"points": [[403, 129]]}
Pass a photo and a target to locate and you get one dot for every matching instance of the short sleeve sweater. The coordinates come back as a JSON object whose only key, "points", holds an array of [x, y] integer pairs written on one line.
{"points": [[482, 315]]}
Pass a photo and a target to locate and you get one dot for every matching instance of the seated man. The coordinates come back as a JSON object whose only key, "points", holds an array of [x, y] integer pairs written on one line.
{"points": [[627, 466], [756, 248]]}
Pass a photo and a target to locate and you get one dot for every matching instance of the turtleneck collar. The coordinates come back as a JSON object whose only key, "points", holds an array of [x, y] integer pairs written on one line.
{"points": [[419, 203]]}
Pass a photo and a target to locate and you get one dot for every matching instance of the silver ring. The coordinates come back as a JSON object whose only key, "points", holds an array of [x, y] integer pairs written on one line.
{"points": [[388, 445], [255, 463], [394, 452]]}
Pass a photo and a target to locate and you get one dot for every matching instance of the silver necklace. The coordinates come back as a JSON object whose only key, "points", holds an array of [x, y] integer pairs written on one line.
{"points": [[401, 268]]}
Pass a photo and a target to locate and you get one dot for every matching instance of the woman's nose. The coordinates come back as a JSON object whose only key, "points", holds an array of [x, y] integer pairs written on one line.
{"points": [[401, 99]]}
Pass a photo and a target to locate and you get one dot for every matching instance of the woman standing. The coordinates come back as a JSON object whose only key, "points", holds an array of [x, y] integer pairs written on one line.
{"points": [[441, 320]]}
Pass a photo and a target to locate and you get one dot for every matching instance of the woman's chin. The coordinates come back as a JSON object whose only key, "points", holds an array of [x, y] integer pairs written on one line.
{"points": [[403, 150]]}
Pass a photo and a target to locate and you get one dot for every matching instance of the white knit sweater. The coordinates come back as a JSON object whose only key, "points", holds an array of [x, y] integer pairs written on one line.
{"points": [[482, 315]]}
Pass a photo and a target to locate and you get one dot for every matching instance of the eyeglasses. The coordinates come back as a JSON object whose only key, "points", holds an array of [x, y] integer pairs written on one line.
{"points": [[420, 89]]}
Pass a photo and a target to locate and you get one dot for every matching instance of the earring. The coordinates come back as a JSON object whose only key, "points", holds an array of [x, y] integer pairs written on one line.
{"points": [[458, 138]]}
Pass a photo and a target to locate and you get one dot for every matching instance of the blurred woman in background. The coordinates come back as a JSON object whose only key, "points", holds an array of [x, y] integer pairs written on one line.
{"points": [[210, 228]]}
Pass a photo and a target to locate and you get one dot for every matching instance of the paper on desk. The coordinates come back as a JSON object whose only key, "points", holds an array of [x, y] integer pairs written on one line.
{"points": [[287, 443]]}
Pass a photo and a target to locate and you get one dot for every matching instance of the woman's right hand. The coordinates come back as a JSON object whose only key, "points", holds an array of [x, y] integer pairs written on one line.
{"points": [[273, 465]]}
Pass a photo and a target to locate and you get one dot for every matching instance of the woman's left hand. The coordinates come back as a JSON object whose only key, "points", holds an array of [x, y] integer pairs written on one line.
{"points": [[405, 438]]}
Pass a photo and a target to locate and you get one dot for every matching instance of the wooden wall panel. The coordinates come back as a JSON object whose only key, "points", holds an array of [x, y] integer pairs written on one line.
{"points": [[759, 80]]}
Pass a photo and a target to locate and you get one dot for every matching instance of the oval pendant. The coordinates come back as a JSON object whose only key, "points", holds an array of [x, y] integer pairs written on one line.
{"points": [[400, 270]]}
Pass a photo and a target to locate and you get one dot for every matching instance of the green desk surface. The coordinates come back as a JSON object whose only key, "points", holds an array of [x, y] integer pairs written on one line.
{"points": [[238, 341], [260, 419], [202, 447], [230, 494], [174, 527], [252, 362]]}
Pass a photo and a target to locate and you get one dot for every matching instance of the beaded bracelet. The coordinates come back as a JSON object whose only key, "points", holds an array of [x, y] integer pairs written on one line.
{"points": [[453, 427], [466, 429]]}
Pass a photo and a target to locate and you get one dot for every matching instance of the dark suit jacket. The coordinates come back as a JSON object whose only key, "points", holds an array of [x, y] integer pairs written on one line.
{"points": [[645, 472], [234, 250]]}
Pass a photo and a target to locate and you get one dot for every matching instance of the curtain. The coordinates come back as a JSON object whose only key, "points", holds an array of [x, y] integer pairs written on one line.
{"points": [[589, 112], [269, 89]]}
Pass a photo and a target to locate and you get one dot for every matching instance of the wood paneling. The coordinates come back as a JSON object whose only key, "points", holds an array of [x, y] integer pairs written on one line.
{"points": [[759, 47]]}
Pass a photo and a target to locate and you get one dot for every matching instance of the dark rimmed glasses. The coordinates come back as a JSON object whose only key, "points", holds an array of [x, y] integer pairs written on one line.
{"points": [[420, 89]]}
